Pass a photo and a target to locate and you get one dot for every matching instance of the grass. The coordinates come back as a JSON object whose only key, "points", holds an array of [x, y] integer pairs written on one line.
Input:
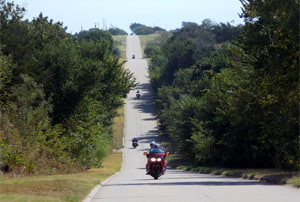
{"points": [[120, 43], [118, 129], [273, 176], [144, 39], [295, 181], [72, 187]]}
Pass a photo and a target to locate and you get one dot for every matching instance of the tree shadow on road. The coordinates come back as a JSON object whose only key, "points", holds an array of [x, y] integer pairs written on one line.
{"points": [[145, 102], [189, 179]]}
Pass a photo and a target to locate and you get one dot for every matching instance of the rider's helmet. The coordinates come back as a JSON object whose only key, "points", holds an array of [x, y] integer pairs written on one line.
{"points": [[152, 144]]}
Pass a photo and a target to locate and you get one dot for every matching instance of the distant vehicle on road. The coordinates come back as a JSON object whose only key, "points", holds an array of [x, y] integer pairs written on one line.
{"points": [[133, 56], [138, 94], [135, 142]]}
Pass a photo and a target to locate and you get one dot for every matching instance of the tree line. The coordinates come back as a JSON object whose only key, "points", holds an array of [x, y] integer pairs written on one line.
{"points": [[140, 29], [229, 95], [58, 94]]}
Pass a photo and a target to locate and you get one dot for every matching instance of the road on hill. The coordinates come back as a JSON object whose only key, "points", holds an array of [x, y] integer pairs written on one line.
{"points": [[131, 183]]}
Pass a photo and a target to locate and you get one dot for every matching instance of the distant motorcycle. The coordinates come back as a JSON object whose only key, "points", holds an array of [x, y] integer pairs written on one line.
{"points": [[138, 94], [135, 143], [156, 163]]}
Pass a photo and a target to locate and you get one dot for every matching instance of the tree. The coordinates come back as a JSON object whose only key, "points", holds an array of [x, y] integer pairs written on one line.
{"points": [[246, 91], [141, 29], [117, 31], [25, 129], [6, 68], [184, 48], [60, 94], [271, 36]]}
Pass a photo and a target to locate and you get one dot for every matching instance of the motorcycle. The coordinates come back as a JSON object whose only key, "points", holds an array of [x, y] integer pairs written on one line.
{"points": [[157, 163], [135, 143], [138, 94]]}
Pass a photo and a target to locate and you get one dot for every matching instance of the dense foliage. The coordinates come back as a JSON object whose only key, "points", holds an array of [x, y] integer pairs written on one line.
{"points": [[58, 94], [140, 29], [229, 96], [117, 31]]}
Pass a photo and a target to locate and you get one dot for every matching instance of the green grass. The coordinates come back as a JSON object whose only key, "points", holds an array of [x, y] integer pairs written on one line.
{"points": [[273, 176], [120, 43], [118, 129], [72, 187], [295, 181], [144, 39]]}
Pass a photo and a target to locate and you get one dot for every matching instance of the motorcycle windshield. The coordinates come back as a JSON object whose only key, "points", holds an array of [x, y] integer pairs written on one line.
{"points": [[156, 151]]}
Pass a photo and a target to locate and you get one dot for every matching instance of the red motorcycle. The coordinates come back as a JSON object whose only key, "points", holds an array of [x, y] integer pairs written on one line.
{"points": [[156, 165]]}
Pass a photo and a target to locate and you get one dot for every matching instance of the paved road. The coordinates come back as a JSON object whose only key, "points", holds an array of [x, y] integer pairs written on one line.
{"points": [[131, 184]]}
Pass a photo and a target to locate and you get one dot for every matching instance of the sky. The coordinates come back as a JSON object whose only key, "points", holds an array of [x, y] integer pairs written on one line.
{"points": [[79, 15]]}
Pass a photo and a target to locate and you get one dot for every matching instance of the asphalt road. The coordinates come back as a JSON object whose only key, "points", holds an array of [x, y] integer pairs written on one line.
{"points": [[131, 184]]}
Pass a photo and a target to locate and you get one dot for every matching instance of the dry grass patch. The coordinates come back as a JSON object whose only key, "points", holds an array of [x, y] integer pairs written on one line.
{"points": [[118, 129], [144, 39], [72, 187], [120, 43]]}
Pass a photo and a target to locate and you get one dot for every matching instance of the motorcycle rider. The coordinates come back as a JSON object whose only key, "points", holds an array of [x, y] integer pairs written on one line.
{"points": [[154, 148], [138, 94], [152, 144], [135, 142]]}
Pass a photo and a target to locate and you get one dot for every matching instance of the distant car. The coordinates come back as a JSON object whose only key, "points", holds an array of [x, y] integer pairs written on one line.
{"points": [[133, 56]]}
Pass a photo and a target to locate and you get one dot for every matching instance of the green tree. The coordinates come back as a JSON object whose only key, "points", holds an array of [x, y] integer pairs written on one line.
{"points": [[184, 48], [141, 29], [6, 68], [272, 36], [28, 140], [117, 31], [61, 93]]}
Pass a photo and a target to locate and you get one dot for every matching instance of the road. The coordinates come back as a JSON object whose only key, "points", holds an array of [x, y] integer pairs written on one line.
{"points": [[132, 185]]}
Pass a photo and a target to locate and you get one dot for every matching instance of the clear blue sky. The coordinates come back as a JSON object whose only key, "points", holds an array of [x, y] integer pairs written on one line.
{"points": [[167, 14]]}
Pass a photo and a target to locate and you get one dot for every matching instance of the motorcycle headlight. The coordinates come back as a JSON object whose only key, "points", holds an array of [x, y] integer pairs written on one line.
{"points": [[153, 159]]}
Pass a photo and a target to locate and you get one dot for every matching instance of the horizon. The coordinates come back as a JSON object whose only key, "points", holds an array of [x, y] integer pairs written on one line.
{"points": [[79, 15]]}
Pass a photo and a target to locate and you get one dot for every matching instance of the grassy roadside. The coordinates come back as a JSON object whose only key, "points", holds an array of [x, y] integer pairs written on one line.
{"points": [[144, 39], [120, 43], [72, 187], [272, 176], [118, 127]]}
